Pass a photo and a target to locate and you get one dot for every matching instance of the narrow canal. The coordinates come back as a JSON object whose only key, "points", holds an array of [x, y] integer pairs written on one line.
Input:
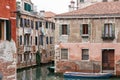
{"points": [[42, 73], [37, 73]]}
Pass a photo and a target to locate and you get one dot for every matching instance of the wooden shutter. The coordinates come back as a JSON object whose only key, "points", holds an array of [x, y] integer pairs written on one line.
{"points": [[103, 31], [113, 30], [8, 30], [68, 29], [81, 29], [21, 22], [89, 29], [24, 39], [25, 6], [60, 30]]}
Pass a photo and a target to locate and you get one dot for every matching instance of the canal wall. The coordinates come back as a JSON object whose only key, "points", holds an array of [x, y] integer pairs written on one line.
{"points": [[8, 60], [78, 66]]}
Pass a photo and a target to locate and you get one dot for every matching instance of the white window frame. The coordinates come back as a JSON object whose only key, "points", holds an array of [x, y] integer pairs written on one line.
{"points": [[61, 54], [88, 54]]}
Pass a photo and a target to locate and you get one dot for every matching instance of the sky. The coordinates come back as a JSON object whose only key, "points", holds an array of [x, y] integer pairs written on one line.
{"points": [[56, 6]]}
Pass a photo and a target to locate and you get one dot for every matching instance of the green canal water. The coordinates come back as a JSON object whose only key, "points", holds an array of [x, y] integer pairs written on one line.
{"points": [[41, 73]]}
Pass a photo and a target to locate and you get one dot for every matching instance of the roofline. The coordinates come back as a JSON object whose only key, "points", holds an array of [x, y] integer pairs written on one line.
{"points": [[87, 16]]}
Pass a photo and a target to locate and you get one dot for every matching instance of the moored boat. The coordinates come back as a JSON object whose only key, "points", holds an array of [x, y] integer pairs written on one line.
{"points": [[79, 75], [51, 68]]}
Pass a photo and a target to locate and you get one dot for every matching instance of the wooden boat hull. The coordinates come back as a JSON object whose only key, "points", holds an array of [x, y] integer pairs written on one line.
{"points": [[51, 68], [79, 75]]}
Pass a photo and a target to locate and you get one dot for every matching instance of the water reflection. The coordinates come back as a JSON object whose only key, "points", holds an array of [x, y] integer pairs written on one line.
{"points": [[42, 73], [37, 73]]}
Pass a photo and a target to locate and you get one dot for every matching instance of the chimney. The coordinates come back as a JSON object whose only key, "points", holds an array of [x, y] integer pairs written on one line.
{"points": [[72, 5], [42, 13]]}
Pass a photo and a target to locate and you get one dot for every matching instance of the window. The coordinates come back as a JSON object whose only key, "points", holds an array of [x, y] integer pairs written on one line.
{"points": [[25, 22], [32, 24], [20, 40], [28, 23], [46, 40], [85, 54], [27, 7], [8, 30], [108, 31], [26, 40], [40, 24], [21, 22], [116, 0], [64, 53], [35, 40], [46, 24], [51, 40], [31, 40], [19, 57], [41, 40], [85, 29], [5, 30], [81, 0], [64, 29], [53, 26], [105, 0], [36, 25], [1, 30]]}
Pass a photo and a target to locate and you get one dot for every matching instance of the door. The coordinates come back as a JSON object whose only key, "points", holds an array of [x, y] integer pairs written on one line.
{"points": [[108, 60]]}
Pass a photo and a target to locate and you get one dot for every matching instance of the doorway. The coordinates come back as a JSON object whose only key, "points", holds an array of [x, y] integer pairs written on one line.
{"points": [[108, 59]]}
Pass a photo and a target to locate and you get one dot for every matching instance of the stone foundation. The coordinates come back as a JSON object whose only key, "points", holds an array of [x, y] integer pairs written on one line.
{"points": [[63, 66], [8, 60], [8, 70]]}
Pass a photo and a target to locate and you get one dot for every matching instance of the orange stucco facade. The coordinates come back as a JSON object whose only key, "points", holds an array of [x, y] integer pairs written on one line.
{"points": [[8, 12]]}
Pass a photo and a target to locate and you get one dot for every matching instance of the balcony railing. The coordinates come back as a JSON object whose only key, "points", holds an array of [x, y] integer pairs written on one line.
{"points": [[27, 48], [27, 30], [108, 36]]}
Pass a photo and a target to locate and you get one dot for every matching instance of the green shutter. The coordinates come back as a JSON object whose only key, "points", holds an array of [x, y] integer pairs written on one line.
{"points": [[68, 29], [113, 29], [60, 30], [25, 6], [81, 29], [8, 30], [29, 7], [89, 29], [103, 31]]}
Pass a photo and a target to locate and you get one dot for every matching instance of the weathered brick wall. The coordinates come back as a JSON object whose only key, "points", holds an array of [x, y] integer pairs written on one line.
{"points": [[63, 66], [118, 68], [96, 30], [8, 60], [75, 62]]}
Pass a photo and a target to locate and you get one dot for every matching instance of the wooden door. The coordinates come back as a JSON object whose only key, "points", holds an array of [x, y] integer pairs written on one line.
{"points": [[108, 59]]}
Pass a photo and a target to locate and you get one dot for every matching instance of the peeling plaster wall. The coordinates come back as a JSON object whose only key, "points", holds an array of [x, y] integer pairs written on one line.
{"points": [[74, 42], [8, 60]]}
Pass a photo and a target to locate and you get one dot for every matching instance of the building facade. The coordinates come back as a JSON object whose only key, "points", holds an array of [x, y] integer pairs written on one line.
{"points": [[88, 39], [34, 35], [8, 39], [85, 3]]}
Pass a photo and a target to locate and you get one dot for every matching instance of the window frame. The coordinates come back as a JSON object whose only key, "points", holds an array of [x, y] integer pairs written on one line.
{"points": [[64, 55], [82, 1], [20, 39], [82, 55], [67, 29], [89, 30], [110, 29]]}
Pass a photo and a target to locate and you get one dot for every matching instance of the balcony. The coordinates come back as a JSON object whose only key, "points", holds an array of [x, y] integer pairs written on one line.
{"points": [[27, 48], [108, 36], [27, 30]]}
